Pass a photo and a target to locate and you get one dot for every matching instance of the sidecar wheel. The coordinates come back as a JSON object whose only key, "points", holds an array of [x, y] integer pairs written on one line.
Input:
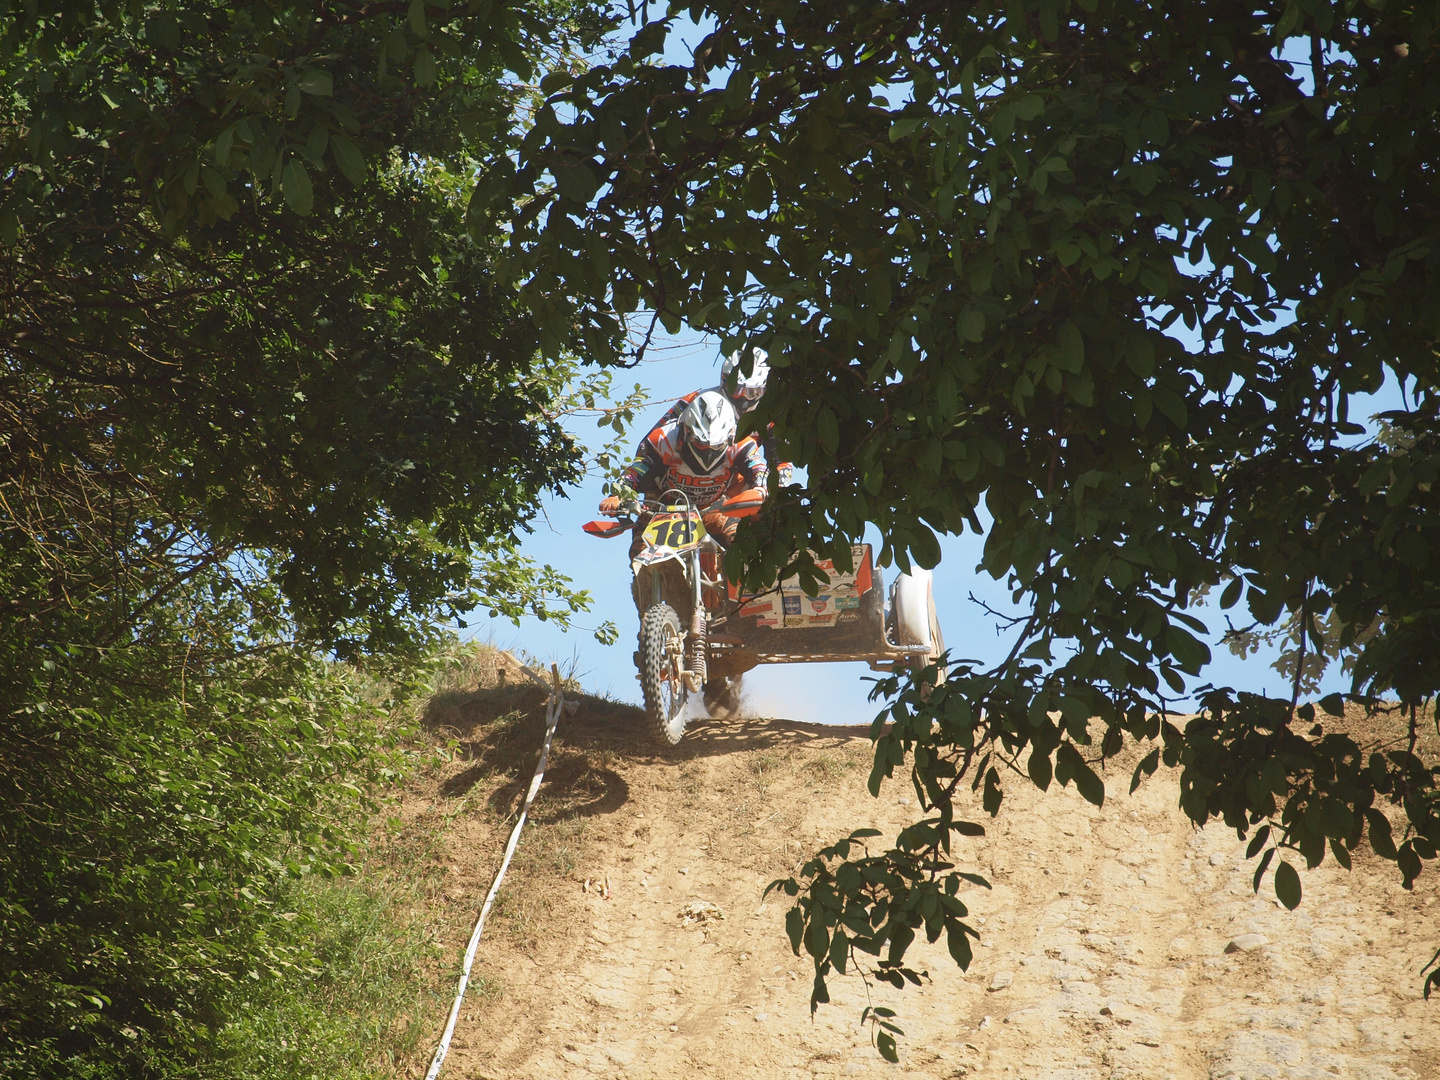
{"points": [[661, 642]]}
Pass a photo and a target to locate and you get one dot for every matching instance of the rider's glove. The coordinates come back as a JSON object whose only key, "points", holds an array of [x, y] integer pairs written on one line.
{"points": [[610, 505]]}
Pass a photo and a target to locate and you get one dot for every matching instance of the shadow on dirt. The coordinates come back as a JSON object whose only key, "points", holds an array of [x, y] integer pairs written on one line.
{"points": [[498, 729]]}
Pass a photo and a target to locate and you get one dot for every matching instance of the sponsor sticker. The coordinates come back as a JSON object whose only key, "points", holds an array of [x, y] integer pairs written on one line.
{"points": [[792, 605]]}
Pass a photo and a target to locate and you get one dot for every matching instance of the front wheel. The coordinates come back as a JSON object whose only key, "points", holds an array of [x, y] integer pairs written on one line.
{"points": [[662, 654]]}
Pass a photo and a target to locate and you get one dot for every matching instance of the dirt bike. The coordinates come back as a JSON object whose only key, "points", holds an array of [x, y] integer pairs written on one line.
{"points": [[698, 634]]}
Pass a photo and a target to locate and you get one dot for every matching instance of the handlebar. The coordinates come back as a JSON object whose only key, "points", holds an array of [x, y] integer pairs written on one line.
{"points": [[745, 504]]}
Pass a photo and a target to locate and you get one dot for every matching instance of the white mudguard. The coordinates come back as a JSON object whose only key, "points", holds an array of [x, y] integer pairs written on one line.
{"points": [[910, 608]]}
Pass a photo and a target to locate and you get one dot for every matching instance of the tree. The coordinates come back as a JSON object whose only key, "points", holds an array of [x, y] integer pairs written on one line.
{"points": [[264, 403], [1116, 272], [236, 280]]}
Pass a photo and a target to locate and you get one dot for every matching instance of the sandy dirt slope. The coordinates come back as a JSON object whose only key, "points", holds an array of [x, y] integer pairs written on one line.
{"points": [[1104, 950]]}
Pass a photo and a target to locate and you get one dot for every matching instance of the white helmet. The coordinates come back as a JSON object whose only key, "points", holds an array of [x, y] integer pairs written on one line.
{"points": [[748, 389], [707, 430]]}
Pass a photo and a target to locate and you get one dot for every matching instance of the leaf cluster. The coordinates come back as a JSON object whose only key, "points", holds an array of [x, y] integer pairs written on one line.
{"points": [[1116, 273]]}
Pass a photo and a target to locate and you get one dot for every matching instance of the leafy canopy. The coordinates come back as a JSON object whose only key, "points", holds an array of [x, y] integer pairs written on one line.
{"points": [[1114, 272], [236, 281], [261, 396]]}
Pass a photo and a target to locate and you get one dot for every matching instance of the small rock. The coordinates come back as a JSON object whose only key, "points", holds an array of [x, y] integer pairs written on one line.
{"points": [[985, 1023], [1216, 859], [1000, 980], [904, 800], [674, 1027], [684, 870], [760, 1018], [1105, 1010], [1246, 942]]}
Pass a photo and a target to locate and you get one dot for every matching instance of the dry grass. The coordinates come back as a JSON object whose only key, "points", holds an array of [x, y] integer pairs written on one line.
{"points": [[829, 766], [487, 712]]}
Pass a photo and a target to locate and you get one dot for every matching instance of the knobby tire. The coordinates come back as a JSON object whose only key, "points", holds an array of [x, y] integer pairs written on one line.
{"points": [[658, 624]]}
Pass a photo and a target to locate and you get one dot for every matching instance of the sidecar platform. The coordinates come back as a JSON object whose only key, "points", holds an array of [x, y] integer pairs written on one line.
{"points": [[846, 620]]}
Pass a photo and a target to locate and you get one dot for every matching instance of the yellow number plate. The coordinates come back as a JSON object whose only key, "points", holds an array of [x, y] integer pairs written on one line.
{"points": [[674, 532]]}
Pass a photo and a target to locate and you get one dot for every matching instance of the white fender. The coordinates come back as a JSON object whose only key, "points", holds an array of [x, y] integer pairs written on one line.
{"points": [[910, 608]]}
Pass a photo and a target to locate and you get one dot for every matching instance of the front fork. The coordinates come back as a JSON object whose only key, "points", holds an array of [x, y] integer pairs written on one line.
{"points": [[697, 647]]}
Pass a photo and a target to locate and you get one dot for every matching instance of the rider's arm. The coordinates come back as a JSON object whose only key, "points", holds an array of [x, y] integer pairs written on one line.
{"points": [[646, 472], [749, 469]]}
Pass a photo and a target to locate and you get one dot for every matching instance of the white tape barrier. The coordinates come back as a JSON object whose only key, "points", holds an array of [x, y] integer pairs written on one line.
{"points": [[552, 716]]}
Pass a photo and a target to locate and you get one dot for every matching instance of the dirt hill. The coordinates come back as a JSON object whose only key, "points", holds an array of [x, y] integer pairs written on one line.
{"points": [[1117, 943]]}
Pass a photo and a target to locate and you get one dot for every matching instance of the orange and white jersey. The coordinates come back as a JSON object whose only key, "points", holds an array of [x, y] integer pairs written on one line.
{"points": [[659, 466]]}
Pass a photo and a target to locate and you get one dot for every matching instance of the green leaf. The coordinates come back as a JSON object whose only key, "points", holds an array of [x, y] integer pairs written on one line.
{"points": [[827, 428], [819, 995], [1342, 856], [908, 126], [223, 144], [1172, 405], [348, 158], [299, 195], [1265, 861], [1231, 596], [1287, 885], [317, 81], [1030, 107], [426, 70], [576, 181], [1072, 348], [163, 31]]}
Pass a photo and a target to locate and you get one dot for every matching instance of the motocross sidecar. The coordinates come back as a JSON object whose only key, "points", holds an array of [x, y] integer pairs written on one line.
{"points": [[698, 634], [846, 620]]}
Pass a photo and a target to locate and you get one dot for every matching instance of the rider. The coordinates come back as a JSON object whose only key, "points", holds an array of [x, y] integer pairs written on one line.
{"points": [[697, 452]]}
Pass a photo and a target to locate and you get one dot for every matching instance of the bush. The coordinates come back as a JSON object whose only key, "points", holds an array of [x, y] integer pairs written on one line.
{"points": [[362, 1009], [161, 800]]}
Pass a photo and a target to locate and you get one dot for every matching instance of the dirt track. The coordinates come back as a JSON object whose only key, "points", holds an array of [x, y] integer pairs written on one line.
{"points": [[1111, 927]]}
